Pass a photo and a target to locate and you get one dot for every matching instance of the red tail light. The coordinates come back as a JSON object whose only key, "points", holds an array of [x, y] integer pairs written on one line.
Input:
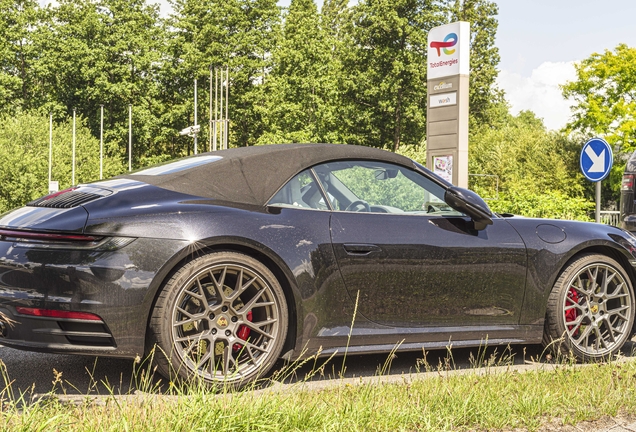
{"points": [[628, 182], [54, 313], [31, 235], [47, 240]]}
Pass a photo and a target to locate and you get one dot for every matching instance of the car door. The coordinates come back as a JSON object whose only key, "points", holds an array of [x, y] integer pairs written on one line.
{"points": [[413, 261]]}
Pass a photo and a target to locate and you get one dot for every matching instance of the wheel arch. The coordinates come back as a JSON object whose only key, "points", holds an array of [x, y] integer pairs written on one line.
{"points": [[554, 336], [257, 251], [623, 260], [618, 255], [621, 256]]}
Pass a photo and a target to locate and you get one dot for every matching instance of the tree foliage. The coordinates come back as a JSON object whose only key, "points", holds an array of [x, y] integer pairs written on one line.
{"points": [[349, 73], [604, 95], [300, 86], [24, 154], [536, 170]]}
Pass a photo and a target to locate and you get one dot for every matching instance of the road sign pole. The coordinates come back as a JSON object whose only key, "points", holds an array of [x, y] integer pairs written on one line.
{"points": [[596, 162], [598, 202]]}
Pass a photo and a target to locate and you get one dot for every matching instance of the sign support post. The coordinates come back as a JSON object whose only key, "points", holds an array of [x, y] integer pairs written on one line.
{"points": [[598, 202], [447, 109], [596, 162]]}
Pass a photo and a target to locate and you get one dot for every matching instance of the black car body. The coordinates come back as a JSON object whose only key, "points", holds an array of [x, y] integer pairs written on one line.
{"points": [[116, 267]]}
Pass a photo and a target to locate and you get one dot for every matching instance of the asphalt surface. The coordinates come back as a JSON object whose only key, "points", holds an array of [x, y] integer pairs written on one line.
{"points": [[39, 373]]}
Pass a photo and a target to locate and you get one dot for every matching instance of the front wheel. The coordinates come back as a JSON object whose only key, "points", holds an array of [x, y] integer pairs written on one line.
{"points": [[221, 317], [590, 309]]}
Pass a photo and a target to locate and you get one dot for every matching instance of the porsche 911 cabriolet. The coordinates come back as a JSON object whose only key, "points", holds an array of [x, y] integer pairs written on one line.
{"points": [[225, 262]]}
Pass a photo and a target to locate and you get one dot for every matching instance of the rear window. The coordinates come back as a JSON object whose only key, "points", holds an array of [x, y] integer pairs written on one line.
{"points": [[177, 166]]}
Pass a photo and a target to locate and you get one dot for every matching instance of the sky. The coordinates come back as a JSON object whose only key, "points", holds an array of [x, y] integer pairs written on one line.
{"points": [[539, 42]]}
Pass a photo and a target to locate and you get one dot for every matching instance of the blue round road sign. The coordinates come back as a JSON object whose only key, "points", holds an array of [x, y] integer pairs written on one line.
{"points": [[596, 159]]}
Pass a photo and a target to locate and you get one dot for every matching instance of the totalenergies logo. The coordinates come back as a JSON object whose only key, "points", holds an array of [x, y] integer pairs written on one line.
{"points": [[449, 41]]}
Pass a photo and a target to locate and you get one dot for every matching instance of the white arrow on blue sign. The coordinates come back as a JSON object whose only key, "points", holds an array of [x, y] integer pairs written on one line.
{"points": [[596, 159]]}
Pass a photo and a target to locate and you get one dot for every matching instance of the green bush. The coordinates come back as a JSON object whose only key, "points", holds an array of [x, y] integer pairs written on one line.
{"points": [[24, 157], [549, 204]]}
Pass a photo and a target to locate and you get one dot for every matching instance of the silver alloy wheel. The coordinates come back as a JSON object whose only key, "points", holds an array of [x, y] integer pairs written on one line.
{"points": [[597, 309], [225, 323]]}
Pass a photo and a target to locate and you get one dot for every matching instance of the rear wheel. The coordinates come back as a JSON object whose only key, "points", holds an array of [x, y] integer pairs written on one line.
{"points": [[590, 309], [221, 317]]}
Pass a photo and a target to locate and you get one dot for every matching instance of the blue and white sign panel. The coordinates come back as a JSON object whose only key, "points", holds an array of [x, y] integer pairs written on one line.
{"points": [[596, 159]]}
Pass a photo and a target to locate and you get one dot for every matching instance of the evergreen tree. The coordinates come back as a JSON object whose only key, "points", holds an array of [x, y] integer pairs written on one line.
{"points": [[105, 52], [300, 86], [385, 83], [484, 56], [238, 34], [18, 19]]}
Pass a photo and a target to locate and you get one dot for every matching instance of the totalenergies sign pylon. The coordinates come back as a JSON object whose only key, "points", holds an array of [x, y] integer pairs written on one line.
{"points": [[447, 104], [449, 50]]}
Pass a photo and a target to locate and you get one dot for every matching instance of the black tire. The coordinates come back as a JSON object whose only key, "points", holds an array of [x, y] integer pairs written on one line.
{"points": [[590, 311], [229, 336]]}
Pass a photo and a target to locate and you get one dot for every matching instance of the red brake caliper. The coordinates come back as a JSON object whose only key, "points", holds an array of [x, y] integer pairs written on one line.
{"points": [[571, 314], [243, 332]]}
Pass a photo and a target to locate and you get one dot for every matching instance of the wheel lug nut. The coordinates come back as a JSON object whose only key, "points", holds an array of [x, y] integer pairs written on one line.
{"points": [[211, 316], [213, 331], [227, 332], [224, 308], [234, 319]]}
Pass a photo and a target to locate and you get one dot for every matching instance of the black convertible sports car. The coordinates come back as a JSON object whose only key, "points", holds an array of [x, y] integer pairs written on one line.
{"points": [[227, 261]]}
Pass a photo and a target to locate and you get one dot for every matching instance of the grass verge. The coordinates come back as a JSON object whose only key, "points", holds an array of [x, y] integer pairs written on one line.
{"points": [[442, 402]]}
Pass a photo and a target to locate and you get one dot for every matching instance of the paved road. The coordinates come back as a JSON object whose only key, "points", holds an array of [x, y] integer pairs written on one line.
{"points": [[35, 372]]}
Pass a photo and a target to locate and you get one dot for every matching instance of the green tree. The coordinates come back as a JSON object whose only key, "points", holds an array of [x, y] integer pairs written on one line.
{"points": [[484, 57], [384, 87], [300, 86], [24, 146], [239, 34], [18, 19], [604, 95], [537, 170], [104, 52]]}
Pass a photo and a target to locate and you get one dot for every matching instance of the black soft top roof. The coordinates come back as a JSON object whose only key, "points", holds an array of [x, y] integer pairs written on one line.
{"points": [[252, 175]]}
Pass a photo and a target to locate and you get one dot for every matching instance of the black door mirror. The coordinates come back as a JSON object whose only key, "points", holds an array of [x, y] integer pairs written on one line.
{"points": [[468, 202]]}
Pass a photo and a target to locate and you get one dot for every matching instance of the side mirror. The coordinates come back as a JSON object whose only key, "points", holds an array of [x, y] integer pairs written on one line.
{"points": [[468, 202]]}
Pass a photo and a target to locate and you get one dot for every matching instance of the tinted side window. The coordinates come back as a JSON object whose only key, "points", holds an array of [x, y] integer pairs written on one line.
{"points": [[364, 186], [301, 191]]}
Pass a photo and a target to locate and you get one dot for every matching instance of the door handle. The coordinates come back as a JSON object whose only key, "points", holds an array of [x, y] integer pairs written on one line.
{"points": [[360, 249]]}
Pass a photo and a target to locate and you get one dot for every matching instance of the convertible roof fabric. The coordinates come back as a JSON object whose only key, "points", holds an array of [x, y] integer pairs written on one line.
{"points": [[252, 175]]}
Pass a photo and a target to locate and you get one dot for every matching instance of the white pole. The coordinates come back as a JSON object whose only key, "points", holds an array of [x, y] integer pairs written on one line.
{"points": [[73, 174], [221, 110], [216, 105], [50, 147], [101, 142], [227, 105], [129, 137], [210, 113], [195, 115]]}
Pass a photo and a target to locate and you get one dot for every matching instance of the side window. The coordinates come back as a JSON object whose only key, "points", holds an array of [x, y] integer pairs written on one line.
{"points": [[365, 186], [301, 191]]}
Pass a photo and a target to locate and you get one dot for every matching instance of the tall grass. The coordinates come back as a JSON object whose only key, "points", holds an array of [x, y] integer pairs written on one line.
{"points": [[439, 401]]}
